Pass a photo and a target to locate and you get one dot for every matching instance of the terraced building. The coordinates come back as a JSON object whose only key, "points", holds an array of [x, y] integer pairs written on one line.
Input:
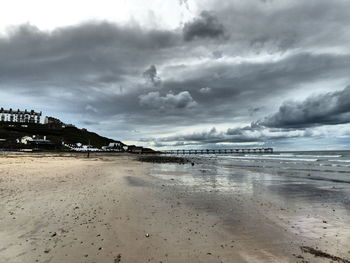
{"points": [[18, 116]]}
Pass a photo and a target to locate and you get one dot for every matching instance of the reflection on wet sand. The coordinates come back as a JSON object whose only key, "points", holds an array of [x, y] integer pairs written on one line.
{"points": [[267, 203]]}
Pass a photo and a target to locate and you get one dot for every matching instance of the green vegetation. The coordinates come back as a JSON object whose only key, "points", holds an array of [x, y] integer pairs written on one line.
{"points": [[68, 135]]}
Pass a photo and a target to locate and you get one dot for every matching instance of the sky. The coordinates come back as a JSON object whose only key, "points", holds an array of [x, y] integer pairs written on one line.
{"points": [[184, 74]]}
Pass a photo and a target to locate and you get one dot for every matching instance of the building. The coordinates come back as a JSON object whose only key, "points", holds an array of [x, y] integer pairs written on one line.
{"points": [[53, 122], [41, 144], [18, 116], [113, 147], [25, 139], [28, 140], [79, 147]]}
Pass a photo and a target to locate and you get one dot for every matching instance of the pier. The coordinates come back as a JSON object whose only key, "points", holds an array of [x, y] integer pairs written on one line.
{"points": [[220, 151]]}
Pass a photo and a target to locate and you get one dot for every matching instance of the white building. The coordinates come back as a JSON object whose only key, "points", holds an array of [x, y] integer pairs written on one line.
{"points": [[20, 116], [25, 139], [114, 147], [28, 139], [79, 147]]}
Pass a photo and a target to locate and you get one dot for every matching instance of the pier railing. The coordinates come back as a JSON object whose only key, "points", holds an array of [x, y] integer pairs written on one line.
{"points": [[220, 151]]}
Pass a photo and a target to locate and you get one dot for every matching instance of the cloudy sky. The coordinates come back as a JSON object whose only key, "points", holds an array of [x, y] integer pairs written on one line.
{"points": [[184, 73]]}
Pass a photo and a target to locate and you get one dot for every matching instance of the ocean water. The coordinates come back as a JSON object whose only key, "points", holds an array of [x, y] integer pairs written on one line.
{"points": [[331, 166], [298, 191], [311, 178]]}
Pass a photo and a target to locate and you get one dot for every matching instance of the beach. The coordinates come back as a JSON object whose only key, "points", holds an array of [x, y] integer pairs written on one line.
{"points": [[114, 208]]}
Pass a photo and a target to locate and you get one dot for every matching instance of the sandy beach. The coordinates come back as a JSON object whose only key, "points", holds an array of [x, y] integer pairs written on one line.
{"points": [[111, 209]]}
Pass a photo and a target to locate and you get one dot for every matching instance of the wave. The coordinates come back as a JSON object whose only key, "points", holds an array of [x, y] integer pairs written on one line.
{"points": [[295, 155], [342, 161], [320, 156], [273, 158]]}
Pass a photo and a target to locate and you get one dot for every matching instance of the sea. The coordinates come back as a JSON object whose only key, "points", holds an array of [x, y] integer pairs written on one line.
{"points": [[332, 166], [305, 193], [312, 178]]}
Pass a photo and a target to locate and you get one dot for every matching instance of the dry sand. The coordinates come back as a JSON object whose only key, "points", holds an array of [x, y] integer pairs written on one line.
{"points": [[107, 209]]}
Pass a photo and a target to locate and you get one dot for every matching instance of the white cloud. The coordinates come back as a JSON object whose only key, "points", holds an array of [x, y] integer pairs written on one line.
{"points": [[205, 90], [169, 101], [49, 15]]}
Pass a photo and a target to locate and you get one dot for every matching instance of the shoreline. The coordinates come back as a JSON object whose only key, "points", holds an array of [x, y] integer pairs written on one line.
{"points": [[112, 209]]}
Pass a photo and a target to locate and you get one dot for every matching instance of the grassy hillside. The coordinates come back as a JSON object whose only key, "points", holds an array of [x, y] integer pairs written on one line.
{"points": [[56, 135]]}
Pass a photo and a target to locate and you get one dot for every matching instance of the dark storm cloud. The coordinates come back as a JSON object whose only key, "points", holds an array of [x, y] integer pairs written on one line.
{"points": [[151, 75], [280, 26], [275, 51], [63, 62], [326, 109], [206, 26], [247, 134], [179, 101], [291, 121], [95, 53], [225, 91]]}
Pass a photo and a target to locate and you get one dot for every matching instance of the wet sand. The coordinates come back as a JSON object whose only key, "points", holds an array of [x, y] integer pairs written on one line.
{"points": [[113, 209]]}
